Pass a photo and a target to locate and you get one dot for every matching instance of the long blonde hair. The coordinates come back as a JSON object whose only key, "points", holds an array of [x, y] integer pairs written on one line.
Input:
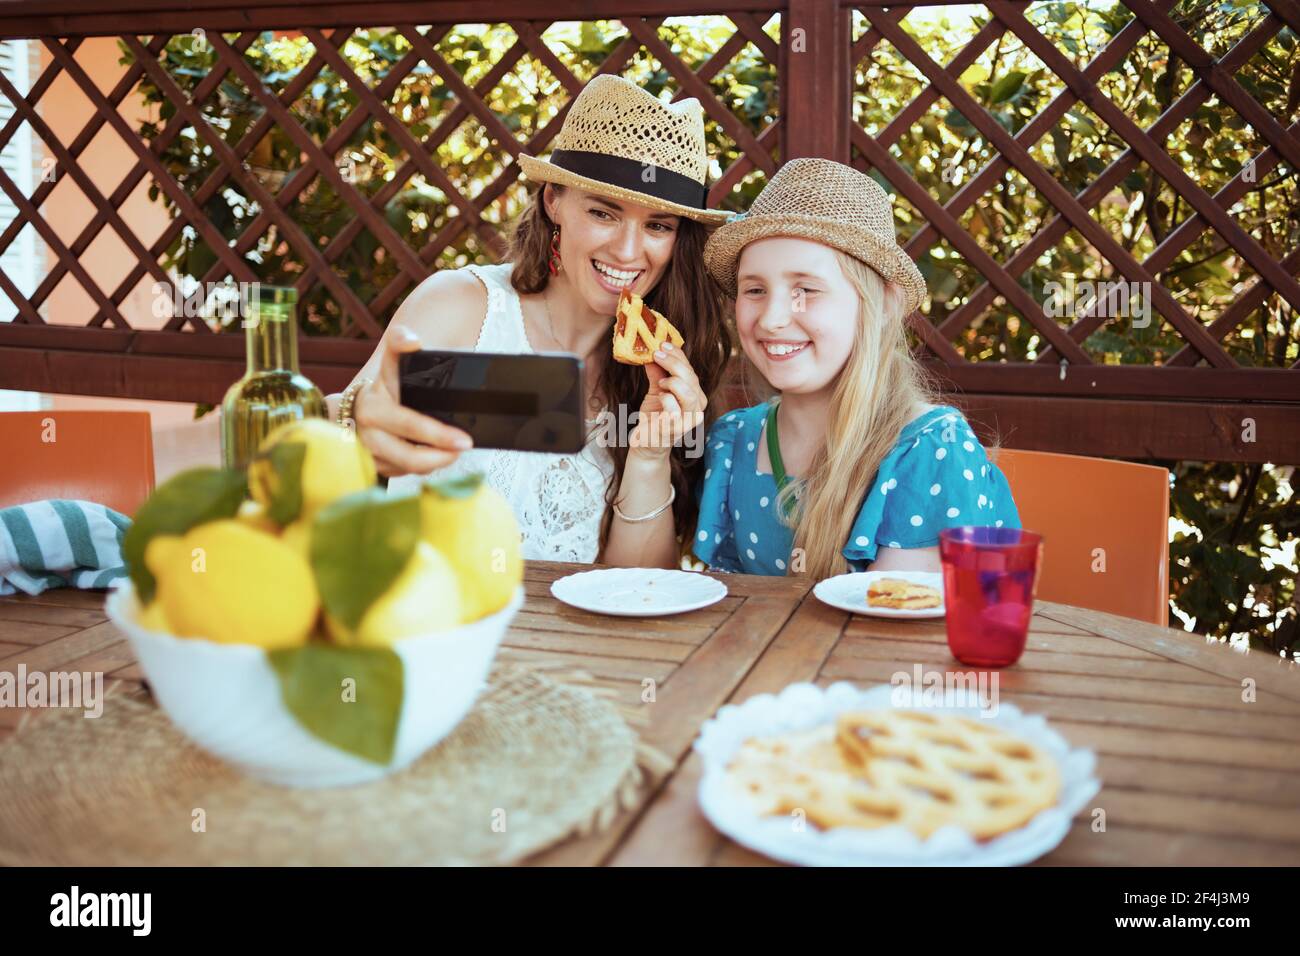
{"points": [[876, 395]]}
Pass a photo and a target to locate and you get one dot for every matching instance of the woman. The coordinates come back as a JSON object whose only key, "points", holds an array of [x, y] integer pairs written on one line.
{"points": [[622, 203]]}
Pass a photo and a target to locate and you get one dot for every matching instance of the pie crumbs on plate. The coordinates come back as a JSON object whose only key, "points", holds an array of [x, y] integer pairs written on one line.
{"points": [[902, 595], [878, 768]]}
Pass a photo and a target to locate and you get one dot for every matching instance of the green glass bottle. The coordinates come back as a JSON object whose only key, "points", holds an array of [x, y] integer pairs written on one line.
{"points": [[272, 391]]}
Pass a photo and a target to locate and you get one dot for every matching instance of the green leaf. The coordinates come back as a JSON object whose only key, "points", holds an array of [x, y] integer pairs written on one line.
{"points": [[1007, 87], [373, 523], [200, 259], [360, 717], [284, 478], [957, 122], [463, 486], [1082, 125], [191, 498], [589, 38], [1061, 145], [384, 51]]}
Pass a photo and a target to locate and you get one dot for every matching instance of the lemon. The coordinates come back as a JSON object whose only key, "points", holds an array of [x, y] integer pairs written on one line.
{"points": [[475, 529], [232, 584], [334, 464], [424, 597], [297, 535]]}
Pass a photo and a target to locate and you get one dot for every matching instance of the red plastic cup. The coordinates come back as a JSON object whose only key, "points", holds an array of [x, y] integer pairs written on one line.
{"points": [[990, 576]]}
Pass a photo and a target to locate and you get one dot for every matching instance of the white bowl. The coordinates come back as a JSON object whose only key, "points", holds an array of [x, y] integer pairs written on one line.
{"points": [[226, 697]]}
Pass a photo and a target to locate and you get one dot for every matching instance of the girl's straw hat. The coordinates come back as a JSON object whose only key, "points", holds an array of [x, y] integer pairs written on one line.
{"points": [[622, 142], [826, 202]]}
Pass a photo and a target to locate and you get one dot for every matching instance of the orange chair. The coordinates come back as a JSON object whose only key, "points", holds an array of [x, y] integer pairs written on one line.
{"points": [[99, 456], [1094, 513]]}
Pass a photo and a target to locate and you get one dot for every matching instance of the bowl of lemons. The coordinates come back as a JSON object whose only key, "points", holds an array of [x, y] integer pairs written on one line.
{"points": [[303, 624]]}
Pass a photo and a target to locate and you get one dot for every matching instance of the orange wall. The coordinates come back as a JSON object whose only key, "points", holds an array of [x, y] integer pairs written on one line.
{"points": [[108, 260]]}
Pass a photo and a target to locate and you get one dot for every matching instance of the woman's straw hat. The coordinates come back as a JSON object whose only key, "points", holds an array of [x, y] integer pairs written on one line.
{"points": [[622, 142], [826, 202]]}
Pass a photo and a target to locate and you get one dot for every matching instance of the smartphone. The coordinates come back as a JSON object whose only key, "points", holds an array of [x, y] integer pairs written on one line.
{"points": [[518, 402]]}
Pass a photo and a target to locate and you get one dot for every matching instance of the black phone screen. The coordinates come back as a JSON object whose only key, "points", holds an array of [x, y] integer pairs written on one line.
{"points": [[517, 402]]}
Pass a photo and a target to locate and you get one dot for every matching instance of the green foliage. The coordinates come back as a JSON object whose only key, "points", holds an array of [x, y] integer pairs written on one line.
{"points": [[1228, 573], [525, 99], [1234, 574], [943, 150]]}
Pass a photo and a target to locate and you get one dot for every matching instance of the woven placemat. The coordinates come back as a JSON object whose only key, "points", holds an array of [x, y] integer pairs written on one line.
{"points": [[536, 760]]}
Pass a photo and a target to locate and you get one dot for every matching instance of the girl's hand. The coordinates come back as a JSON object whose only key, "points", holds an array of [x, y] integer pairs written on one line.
{"points": [[672, 407], [402, 440]]}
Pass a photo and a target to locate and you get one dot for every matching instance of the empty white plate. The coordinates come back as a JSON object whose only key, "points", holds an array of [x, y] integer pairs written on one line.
{"points": [[638, 592], [848, 592]]}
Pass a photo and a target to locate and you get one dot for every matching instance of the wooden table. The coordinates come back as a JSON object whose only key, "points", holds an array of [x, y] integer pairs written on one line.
{"points": [[1192, 772]]}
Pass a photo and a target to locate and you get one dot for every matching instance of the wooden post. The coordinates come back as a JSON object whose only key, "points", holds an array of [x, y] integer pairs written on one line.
{"points": [[816, 80]]}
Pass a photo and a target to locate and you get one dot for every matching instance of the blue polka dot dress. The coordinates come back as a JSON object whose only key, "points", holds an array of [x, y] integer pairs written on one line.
{"points": [[937, 476]]}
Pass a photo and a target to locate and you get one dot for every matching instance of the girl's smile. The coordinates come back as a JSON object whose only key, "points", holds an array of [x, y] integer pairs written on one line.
{"points": [[782, 351], [795, 312]]}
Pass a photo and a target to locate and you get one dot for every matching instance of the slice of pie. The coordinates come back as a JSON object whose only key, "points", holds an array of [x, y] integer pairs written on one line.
{"points": [[639, 330], [902, 595]]}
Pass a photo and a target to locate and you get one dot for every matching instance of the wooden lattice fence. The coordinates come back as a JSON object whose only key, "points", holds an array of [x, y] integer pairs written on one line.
{"points": [[820, 53]]}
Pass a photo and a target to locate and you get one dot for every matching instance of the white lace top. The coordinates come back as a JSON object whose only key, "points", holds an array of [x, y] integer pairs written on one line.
{"points": [[558, 500]]}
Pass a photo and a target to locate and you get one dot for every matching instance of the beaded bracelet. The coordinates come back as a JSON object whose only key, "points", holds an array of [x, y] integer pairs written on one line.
{"points": [[349, 399]]}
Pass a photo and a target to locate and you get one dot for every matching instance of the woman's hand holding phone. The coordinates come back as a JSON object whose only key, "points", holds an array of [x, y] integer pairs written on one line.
{"points": [[402, 440], [672, 407]]}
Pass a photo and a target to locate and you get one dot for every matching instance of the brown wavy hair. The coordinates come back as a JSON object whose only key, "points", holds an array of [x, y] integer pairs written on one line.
{"points": [[691, 300]]}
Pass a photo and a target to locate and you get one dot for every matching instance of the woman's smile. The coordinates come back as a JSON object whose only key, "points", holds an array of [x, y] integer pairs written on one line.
{"points": [[613, 279]]}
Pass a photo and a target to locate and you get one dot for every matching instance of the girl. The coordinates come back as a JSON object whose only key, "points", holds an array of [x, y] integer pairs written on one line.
{"points": [[852, 466]]}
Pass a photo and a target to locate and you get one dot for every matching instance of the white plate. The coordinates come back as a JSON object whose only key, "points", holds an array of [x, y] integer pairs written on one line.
{"points": [[638, 592], [848, 592], [803, 706]]}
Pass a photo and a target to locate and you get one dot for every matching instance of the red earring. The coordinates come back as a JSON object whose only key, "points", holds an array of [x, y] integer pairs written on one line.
{"points": [[554, 263]]}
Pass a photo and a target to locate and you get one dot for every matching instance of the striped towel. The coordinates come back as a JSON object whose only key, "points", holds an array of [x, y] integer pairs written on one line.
{"points": [[59, 543]]}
